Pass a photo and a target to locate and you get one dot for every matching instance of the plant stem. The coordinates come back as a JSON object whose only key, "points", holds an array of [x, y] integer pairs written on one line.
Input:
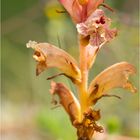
{"points": [[84, 74]]}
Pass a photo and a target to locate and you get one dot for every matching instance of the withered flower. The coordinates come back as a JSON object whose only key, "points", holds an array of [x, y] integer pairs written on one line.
{"points": [[115, 76], [49, 56], [94, 31]]}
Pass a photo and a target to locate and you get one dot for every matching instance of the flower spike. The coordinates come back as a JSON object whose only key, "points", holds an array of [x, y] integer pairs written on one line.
{"points": [[93, 28]]}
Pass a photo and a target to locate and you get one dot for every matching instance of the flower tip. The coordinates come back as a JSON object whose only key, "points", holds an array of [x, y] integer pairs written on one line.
{"points": [[31, 44]]}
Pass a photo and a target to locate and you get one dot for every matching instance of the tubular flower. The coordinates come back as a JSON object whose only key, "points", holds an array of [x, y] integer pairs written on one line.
{"points": [[80, 10], [96, 28]]}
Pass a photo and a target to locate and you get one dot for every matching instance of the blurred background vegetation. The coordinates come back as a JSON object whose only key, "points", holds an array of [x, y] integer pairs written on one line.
{"points": [[27, 113]]}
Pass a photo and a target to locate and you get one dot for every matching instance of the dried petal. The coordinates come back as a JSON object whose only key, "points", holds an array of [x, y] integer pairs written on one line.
{"points": [[115, 76], [41, 66], [67, 99], [49, 56]]}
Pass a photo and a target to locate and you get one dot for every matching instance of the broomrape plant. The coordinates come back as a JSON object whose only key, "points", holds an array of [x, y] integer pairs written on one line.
{"points": [[93, 28]]}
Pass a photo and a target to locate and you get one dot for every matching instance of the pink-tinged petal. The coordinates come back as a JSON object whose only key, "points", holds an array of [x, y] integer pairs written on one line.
{"points": [[49, 56], [110, 34], [67, 99], [93, 5], [82, 29], [77, 11], [90, 25], [116, 76], [96, 15], [97, 39]]}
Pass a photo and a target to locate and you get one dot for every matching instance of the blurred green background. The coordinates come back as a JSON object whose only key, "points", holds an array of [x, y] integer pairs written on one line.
{"points": [[27, 112]]}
